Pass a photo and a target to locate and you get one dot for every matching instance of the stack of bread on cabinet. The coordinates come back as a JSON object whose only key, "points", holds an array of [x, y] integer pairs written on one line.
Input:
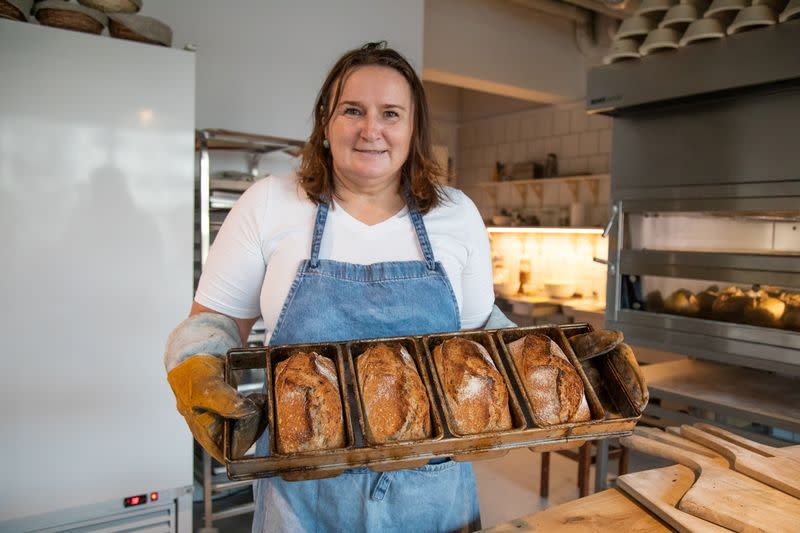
{"points": [[759, 306]]}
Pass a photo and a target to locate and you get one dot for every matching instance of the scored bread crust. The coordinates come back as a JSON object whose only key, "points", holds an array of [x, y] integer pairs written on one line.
{"points": [[623, 360], [474, 389], [308, 404], [395, 402], [554, 388]]}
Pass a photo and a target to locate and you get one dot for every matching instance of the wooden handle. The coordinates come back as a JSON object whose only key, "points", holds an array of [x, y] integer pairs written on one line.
{"points": [[674, 440], [647, 445], [747, 444], [728, 449]]}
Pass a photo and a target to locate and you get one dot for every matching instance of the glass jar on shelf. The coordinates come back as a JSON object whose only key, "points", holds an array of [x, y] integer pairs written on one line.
{"points": [[524, 275]]}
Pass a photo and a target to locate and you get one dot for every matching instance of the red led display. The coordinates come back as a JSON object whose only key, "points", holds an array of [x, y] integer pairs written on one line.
{"points": [[130, 501]]}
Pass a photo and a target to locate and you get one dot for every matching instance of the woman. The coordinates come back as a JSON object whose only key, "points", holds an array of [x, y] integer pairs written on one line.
{"points": [[382, 250]]}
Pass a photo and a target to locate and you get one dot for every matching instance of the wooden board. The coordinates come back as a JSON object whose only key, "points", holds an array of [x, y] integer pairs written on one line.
{"points": [[792, 452], [781, 473], [681, 442], [609, 510], [725, 497], [660, 490]]}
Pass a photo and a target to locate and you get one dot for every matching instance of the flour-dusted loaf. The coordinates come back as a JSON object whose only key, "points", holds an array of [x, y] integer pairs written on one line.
{"points": [[554, 387], [308, 404], [395, 400], [474, 389]]}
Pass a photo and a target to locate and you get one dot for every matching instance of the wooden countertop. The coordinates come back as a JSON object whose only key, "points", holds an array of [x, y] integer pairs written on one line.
{"points": [[579, 304], [610, 510]]}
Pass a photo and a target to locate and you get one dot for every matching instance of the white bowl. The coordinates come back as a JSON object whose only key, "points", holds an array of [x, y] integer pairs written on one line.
{"points": [[792, 11], [621, 50], [753, 17], [703, 30], [679, 17], [776, 5], [701, 5], [635, 26], [654, 8], [559, 289], [659, 40], [725, 10]]}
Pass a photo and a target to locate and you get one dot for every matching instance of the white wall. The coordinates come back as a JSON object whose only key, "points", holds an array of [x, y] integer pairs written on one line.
{"points": [[502, 48], [260, 63]]}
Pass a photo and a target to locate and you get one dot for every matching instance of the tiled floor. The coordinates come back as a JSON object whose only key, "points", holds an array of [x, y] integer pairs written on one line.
{"points": [[508, 488]]}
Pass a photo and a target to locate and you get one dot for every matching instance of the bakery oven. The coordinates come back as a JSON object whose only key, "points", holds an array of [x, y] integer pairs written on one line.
{"points": [[704, 236]]}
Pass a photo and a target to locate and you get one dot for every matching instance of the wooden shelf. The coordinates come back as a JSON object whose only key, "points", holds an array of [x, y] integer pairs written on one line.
{"points": [[537, 186], [546, 181]]}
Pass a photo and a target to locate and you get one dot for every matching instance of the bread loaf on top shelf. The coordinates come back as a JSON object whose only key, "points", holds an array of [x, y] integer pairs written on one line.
{"points": [[474, 389], [308, 404], [554, 387], [395, 401]]}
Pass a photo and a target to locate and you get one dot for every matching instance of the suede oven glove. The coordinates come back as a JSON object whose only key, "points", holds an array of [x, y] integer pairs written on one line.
{"points": [[204, 400], [195, 371]]}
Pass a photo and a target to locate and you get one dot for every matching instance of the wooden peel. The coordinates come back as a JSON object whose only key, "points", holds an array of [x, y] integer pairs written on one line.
{"points": [[725, 497], [681, 442], [792, 452], [660, 490], [779, 472]]}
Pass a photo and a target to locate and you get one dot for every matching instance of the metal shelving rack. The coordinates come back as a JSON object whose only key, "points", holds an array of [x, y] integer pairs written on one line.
{"points": [[214, 480]]}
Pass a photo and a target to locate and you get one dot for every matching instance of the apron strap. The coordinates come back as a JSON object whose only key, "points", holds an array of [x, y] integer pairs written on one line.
{"points": [[319, 226], [416, 219], [422, 236]]}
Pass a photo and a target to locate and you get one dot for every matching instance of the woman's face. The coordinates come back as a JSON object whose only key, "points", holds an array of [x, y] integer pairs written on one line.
{"points": [[371, 127]]}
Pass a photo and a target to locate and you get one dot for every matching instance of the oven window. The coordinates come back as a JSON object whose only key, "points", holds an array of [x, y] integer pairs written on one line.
{"points": [[757, 305], [724, 232]]}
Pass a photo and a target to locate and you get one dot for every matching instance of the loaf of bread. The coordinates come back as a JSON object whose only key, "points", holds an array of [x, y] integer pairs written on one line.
{"points": [[595, 343], [623, 361], [308, 404], [791, 318], [554, 387], [682, 302], [395, 402], [765, 311], [730, 306], [475, 392]]}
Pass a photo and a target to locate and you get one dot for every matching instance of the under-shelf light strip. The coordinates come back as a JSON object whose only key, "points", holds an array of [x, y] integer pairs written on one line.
{"points": [[583, 231]]}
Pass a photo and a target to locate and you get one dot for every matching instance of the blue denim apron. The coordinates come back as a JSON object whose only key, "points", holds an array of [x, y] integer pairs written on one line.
{"points": [[336, 301]]}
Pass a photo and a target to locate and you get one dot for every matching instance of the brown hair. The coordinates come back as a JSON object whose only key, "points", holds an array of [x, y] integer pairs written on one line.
{"points": [[420, 173]]}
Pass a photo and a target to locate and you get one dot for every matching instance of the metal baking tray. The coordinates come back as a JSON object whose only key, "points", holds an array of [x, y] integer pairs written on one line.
{"points": [[353, 350], [518, 420], [358, 451], [620, 410], [556, 335]]}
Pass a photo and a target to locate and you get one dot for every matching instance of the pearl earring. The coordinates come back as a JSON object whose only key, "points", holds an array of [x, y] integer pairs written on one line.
{"points": [[325, 143]]}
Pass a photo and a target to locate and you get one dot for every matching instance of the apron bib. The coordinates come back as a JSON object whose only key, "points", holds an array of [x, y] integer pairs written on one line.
{"points": [[331, 301]]}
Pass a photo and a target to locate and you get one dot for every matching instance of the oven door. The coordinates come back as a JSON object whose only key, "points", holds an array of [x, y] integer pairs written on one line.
{"points": [[709, 276]]}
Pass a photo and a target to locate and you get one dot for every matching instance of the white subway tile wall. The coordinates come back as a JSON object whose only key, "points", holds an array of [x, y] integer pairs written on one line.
{"points": [[581, 142]]}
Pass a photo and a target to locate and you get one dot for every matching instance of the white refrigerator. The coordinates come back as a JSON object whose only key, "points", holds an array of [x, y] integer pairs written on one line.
{"points": [[96, 211]]}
